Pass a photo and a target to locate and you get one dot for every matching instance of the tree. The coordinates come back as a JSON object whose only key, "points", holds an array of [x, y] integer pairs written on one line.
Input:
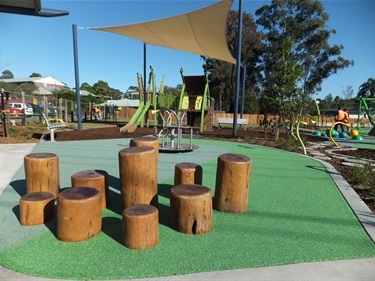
{"points": [[303, 24], [34, 74], [222, 74], [367, 89], [101, 88], [6, 74]]}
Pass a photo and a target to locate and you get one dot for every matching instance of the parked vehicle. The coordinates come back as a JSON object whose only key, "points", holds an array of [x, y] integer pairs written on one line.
{"points": [[19, 105], [36, 108]]}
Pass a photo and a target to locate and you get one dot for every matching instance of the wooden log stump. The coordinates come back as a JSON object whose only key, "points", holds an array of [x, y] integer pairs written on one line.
{"points": [[140, 228], [147, 141], [191, 209], [42, 173], [79, 214], [188, 173], [36, 208], [232, 183], [138, 176], [97, 179]]}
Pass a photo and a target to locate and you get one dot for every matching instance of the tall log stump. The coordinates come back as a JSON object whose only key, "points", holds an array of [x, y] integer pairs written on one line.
{"points": [[191, 209], [147, 141], [79, 214], [138, 176], [188, 173], [140, 228], [42, 173], [36, 208], [232, 183], [97, 179]]}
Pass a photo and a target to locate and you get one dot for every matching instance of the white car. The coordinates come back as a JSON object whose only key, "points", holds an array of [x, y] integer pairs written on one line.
{"points": [[19, 105]]}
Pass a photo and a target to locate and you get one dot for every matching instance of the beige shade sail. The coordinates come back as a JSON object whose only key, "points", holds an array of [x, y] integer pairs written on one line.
{"points": [[200, 32]]}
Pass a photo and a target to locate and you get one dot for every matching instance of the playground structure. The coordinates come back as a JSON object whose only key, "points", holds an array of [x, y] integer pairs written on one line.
{"points": [[362, 103]]}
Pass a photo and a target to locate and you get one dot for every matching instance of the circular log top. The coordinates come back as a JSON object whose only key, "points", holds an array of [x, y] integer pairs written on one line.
{"points": [[79, 193], [233, 157], [90, 174], [42, 155], [140, 209], [137, 150], [36, 196], [189, 165], [190, 190]]}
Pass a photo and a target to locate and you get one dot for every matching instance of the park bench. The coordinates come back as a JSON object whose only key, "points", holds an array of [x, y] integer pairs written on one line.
{"points": [[52, 125], [240, 121]]}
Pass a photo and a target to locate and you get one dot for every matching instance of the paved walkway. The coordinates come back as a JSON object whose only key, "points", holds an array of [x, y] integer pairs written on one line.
{"points": [[357, 269]]}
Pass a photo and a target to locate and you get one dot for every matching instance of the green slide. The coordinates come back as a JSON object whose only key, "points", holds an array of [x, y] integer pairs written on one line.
{"points": [[136, 118]]}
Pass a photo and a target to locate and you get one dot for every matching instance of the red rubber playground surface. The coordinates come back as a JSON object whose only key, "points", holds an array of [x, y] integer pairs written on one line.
{"points": [[296, 214]]}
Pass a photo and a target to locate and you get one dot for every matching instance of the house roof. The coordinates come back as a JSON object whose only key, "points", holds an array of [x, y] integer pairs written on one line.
{"points": [[47, 80]]}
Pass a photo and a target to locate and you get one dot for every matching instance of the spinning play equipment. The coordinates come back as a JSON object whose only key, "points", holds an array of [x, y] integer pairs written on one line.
{"points": [[362, 102]]}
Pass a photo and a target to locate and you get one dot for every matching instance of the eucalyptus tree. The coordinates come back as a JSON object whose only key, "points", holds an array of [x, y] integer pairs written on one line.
{"points": [[302, 25]]}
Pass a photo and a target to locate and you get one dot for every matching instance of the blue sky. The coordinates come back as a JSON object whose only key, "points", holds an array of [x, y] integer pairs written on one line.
{"points": [[45, 45]]}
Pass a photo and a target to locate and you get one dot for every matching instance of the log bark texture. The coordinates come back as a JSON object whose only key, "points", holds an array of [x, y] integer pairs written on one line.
{"points": [[79, 214], [188, 173], [232, 183], [138, 176], [191, 209], [97, 179], [42, 173], [140, 226], [36, 208]]}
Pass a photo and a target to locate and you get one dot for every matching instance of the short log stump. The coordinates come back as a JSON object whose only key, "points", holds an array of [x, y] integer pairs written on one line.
{"points": [[42, 173], [188, 173], [140, 226], [232, 183], [36, 208], [138, 176], [79, 214], [191, 209], [147, 141], [97, 179]]}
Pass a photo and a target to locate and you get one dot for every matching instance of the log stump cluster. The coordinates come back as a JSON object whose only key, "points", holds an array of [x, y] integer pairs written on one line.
{"points": [[42, 173], [147, 141], [97, 179], [79, 214]]}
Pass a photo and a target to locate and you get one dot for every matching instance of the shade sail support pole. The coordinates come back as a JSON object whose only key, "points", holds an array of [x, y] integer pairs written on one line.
{"points": [[238, 69], [76, 71]]}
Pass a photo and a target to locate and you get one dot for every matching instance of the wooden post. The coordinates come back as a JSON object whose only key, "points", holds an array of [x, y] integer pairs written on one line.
{"points": [[79, 214], [138, 176], [140, 226], [36, 208], [191, 209], [97, 179], [232, 183], [188, 173], [146, 141], [42, 173]]}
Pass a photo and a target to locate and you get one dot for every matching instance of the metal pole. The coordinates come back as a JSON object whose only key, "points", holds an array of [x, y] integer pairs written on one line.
{"points": [[144, 73], [243, 90], [76, 70], [238, 68]]}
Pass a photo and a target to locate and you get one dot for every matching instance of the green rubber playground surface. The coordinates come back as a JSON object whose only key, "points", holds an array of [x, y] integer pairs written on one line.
{"points": [[296, 214]]}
